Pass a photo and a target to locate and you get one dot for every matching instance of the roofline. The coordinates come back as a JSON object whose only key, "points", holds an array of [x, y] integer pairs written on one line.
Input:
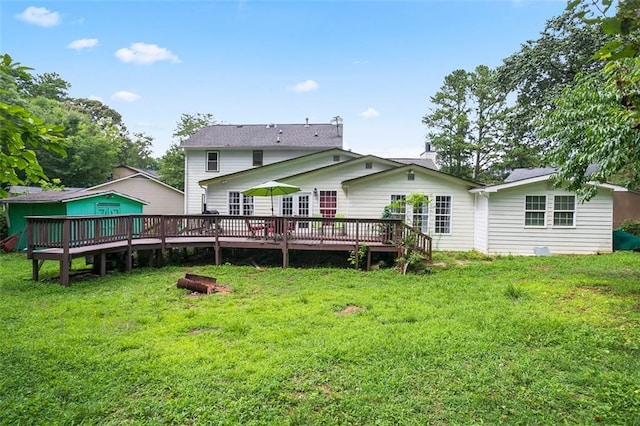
{"points": [[81, 195], [542, 178], [341, 164], [409, 166], [270, 166], [145, 175]]}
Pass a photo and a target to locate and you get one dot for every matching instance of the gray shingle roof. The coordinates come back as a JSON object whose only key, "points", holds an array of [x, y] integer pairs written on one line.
{"points": [[55, 196], [267, 136], [521, 174], [429, 164]]}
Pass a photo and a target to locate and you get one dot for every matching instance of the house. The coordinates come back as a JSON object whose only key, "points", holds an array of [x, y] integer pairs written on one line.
{"points": [[225, 149], [524, 215], [159, 197], [71, 203], [527, 214]]}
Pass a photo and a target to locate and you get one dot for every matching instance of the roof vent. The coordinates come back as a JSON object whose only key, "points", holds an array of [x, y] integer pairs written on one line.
{"points": [[239, 126], [315, 135], [280, 131], [306, 122], [278, 140]]}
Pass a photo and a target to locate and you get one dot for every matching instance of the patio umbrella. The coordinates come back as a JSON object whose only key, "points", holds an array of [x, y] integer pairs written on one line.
{"points": [[271, 188]]}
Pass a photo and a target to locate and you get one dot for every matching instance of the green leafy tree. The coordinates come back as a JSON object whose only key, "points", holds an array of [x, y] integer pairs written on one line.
{"points": [[537, 74], [21, 134], [597, 121], [171, 164], [467, 123]]}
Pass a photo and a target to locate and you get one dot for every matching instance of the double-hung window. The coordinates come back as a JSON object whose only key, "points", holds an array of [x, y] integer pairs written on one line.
{"points": [[564, 210], [213, 161], [535, 210], [398, 206], [421, 217], [240, 204], [442, 218], [328, 203]]}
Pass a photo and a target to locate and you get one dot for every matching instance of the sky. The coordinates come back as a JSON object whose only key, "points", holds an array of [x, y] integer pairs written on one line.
{"points": [[376, 64]]}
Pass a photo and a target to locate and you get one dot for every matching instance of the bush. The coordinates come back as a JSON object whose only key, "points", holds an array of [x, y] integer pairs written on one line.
{"points": [[631, 226]]}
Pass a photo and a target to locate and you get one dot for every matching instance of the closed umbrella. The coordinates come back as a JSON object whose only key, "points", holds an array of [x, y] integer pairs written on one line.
{"points": [[271, 188]]}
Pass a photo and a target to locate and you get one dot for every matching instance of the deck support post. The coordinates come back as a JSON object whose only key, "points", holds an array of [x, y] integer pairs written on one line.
{"points": [[368, 258], [65, 260], [35, 273]]}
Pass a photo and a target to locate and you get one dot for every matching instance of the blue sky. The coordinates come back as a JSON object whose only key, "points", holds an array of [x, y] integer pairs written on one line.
{"points": [[374, 63]]}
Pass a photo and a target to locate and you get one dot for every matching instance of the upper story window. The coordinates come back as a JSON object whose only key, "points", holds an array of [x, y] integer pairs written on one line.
{"points": [[213, 161], [336, 158], [564, 210], [258, 157], [535, 210]]}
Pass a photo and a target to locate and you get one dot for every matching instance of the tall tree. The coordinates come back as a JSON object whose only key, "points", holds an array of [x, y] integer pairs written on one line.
{"points": [[538, 73], [448, 124], [171, 164], [21, 133], [467, 123], [597, 121]]}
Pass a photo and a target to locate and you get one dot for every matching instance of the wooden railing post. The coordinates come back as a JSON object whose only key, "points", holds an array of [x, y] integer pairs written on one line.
{"points": [[65, 262]]}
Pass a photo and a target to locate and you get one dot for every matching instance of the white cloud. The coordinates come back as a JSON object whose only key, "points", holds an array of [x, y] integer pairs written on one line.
{"points": [[143, 53], [39, 16], [304, 86], [83, 43], [125, 96], [369, 113]]}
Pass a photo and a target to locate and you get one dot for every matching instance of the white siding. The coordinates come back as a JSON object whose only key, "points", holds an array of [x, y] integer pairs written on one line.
{"points": [[368, 199], [162, 200], [481, 232], [230, 161], [508, 235], [217, 193]]}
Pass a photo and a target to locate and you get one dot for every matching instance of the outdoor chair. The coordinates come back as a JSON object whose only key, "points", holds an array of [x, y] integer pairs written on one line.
{"points": [[253, 228]]}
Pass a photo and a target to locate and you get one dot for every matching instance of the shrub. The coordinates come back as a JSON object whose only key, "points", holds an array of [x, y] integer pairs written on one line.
{"points": [[631, 226]]}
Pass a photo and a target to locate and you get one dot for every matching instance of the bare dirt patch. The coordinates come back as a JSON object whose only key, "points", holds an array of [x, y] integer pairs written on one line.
{"points": [[350, 309]]}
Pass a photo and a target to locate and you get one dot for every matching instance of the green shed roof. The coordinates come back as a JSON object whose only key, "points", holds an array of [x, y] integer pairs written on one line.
{"points": [[63, 197]]}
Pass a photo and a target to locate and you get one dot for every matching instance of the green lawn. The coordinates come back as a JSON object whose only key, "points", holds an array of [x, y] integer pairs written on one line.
{"points": [[544, 340]]}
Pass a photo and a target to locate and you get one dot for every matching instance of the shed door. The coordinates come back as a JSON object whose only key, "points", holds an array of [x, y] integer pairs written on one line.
{"points": [[103, 209]]}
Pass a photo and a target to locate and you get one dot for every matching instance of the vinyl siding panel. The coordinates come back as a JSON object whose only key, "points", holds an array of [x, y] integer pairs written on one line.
{"points": [[217, 193], [368, 199], [509, 235], [481, 220]]}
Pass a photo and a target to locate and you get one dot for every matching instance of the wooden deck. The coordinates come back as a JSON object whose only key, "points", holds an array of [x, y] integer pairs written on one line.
{"points": [[63, 238]]}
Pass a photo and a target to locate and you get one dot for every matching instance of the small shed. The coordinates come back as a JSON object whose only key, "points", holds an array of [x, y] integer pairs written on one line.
{"points": [[54, 203]]}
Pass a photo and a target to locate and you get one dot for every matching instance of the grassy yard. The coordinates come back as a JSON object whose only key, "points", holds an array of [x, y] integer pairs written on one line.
{"points": [[545, 340]]}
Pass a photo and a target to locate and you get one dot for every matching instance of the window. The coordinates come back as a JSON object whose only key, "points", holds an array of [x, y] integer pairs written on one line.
{"points": [[336, 158], [240, 204], [398, 206], [535, 210], [421, 218], [213, 162], [443, 214], [328, 203], [258, 156], [564, 210], [368, 165]]}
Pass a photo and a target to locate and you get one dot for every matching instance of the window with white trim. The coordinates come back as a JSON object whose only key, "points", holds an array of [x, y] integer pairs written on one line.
{"points": [[240, 204], [213, 161], [564, 210], [328, 203], [258, 157], [442, 218], [535, 210], [398, 206], [421, 217]]}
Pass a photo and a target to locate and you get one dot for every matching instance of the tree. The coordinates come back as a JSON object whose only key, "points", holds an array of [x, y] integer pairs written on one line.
{"points": [[538, 73], [597, 121], [21, 133], [171, 164], [467, 123]]}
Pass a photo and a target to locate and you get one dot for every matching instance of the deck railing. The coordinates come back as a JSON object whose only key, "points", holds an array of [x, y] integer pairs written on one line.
{"points": [[78, 231]]}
